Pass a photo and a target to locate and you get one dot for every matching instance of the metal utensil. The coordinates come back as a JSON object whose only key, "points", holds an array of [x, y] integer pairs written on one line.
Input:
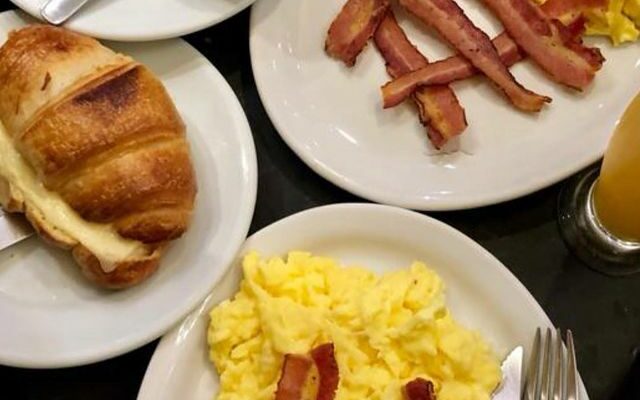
{"points": [[552, 372], [13, 229], [511, 384], [57, 11]]}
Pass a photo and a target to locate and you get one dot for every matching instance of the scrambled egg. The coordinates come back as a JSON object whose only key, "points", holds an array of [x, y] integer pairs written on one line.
{"points": [[387, 330], [620, 20]]}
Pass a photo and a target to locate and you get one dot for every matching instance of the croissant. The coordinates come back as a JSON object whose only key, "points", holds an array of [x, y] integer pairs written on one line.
{"points": [[93, 151]]}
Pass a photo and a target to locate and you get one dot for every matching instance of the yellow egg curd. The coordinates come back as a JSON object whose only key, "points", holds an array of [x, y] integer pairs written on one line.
{"points": [[618, 19], [387, 330]]}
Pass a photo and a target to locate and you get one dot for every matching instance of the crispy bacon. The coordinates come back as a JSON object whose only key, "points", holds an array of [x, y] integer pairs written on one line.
{"points": [[575, 28], [353, 27], [445, 71], [452, 24], [572, 40], [419, 389], [295, 371], [568, 10], [325, 361], [438, 106], [459, 68], [299, 379], [568, 17], [537, 36]]}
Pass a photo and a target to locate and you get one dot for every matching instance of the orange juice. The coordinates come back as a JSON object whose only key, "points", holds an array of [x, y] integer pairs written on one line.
{"points": [[617, 192]]}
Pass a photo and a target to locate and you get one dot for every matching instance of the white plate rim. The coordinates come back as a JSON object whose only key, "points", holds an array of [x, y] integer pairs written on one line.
{"points": [[167, 349], [243, 221], [32, 9], [461, 202]]}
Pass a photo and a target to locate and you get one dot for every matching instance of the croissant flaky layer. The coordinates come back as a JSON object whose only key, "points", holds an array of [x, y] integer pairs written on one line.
{"points": [[100, 131]]}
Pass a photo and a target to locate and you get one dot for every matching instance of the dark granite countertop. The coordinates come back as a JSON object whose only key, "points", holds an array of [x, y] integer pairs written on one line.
{"points": [[603, 312]]}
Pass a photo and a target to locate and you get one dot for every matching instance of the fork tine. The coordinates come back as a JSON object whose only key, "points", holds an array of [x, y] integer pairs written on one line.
{"points": [[546, 367], [559, 368], [532, 383], [572, 370]]}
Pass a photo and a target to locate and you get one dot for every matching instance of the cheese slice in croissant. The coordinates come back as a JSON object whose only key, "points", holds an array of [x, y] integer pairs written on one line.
{"points": [[93, 151]]}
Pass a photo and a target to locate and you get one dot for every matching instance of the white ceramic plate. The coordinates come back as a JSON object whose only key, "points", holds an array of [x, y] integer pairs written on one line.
{"points": [[52, 317], [332, 117], [481, 292], [142, 20]]}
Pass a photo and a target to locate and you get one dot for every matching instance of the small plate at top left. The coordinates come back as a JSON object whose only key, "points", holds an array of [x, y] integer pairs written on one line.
{"points": [[144, 20], [53, 317]]}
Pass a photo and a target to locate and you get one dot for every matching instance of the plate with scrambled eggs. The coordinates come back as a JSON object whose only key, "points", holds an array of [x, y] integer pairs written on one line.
{"points": [[416, 299]]}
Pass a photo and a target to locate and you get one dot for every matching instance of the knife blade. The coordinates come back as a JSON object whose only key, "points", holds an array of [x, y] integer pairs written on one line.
{"points": [[13, 229], [511, 385]]}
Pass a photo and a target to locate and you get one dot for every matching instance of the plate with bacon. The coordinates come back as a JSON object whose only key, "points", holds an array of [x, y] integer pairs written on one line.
{"points": [[370, 312], [441, 104]]}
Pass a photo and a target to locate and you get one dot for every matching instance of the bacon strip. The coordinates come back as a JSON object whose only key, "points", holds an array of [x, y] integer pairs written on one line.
{"points": [[295, 370], [452, 24], [537, 36], [459, 68], [353, 27], [568, 10], [574, 28], [419, 389], [445, 71], [327, 365], [571, 37], [438, 106]]}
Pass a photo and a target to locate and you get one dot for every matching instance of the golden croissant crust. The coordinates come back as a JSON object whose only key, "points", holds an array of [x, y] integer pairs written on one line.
{"points": [[99, 130]]}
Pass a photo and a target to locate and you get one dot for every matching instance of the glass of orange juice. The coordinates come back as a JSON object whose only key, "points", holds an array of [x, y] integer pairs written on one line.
{"points": [[599, 214]]}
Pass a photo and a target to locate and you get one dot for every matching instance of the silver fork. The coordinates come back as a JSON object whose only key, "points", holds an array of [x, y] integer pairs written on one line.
{"points": [[57, 11], [552, 372]]}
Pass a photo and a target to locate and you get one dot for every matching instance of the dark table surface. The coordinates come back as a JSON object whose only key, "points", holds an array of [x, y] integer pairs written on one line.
{"points": [[603, 312]]}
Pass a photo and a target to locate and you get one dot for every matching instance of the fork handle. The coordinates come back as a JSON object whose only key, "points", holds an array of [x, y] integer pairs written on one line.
{"points": [[57, 11]]}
